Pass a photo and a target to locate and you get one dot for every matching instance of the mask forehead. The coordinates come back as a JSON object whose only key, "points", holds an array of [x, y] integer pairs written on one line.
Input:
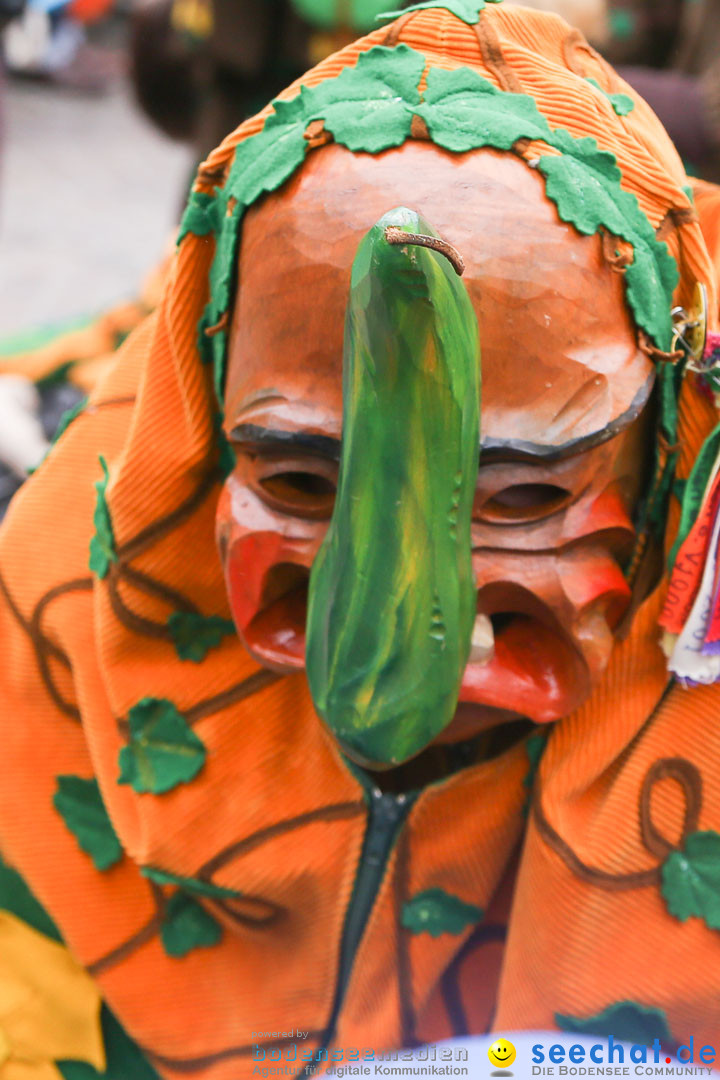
{"points": [[560, 358]]}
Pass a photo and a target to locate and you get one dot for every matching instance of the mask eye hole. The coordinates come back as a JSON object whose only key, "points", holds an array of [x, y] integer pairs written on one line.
{"points": [[520, 503], [299, 492]]}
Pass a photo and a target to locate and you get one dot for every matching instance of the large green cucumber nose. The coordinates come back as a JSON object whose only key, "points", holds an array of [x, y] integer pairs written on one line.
{"points": [[392, 600]]}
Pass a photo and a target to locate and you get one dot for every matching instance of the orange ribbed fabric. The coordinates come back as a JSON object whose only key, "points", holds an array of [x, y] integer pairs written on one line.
{"points": [[275, 814]]}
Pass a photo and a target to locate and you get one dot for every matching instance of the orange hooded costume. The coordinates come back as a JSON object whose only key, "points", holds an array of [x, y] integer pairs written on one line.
{"points": [[229, 909]]}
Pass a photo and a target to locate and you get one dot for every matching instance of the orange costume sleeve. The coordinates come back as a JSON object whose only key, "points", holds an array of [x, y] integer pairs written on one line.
{"points": [[208, 872]]}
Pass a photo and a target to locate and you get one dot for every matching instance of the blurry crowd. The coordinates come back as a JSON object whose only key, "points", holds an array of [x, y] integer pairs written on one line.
{"points": [[199, 66]]}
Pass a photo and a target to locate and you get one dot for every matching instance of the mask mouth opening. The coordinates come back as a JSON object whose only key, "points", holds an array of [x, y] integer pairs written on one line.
{"points": [[275, 635], [535, 669]]}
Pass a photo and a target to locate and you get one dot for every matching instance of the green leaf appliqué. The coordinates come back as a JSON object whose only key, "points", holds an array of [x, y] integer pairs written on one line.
{"points": [[622, 103], [467, 10], [623, 1020], [691, 879], [102, 545], [437, 912], [366, 106], [193, 634], [81, 807], [199, 217], [263, 162], [187, 925], [163, 751], [464, 111]]}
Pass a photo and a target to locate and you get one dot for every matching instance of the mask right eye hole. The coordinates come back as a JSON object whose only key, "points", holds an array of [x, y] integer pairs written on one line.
{"points": [[521, 503]]}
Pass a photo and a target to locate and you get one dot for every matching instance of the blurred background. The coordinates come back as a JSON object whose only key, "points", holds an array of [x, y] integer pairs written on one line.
{"points": [[107, 106]]}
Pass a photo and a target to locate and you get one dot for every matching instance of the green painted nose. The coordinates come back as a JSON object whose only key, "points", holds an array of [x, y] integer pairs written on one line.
{"points": [[392, 599]]}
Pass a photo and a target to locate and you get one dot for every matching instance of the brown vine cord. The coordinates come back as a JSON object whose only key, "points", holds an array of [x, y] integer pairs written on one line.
{"points": [[492, 54], [240, 847], [687, 776], [400, 238], [396, 28], [141, 937]]}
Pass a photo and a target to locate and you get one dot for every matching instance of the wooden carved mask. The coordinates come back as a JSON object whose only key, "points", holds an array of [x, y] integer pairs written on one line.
{"points": [[565, 435]]}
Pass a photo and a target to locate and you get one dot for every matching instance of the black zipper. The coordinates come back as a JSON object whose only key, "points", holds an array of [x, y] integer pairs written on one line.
{"points": [[386, 816]]}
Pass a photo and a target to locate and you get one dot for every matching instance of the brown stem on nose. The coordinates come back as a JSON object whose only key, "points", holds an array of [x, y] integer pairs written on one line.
{"points": [[394, 235]]}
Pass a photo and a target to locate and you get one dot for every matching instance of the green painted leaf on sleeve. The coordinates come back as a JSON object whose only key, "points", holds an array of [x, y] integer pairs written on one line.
{"points": [[162, 752], [366, 106], [623, 1020], [81, 807], [15, 897], [200, 215], [187, 925], [194, 634], [463, 111], [467, 10], [124, 1059], [437, 912], [691, 879], [102, 545]]}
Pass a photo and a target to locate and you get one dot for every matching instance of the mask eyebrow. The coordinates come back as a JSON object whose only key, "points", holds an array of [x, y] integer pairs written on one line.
{"points": [[263, 438], [493, 450]]}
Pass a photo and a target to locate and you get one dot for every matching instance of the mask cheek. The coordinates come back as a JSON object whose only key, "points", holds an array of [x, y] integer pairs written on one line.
{"points": [[266, 576], [598, 596]]}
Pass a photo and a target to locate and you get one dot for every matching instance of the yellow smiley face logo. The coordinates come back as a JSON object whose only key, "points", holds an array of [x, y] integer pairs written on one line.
{"points": [[501, 1053]]}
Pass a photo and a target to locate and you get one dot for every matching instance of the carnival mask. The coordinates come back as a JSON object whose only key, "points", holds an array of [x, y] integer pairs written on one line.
{"points": [[447, 598]]}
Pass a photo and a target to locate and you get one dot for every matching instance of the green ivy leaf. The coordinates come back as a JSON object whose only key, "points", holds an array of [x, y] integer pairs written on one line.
{"points": [[187, 925], [102, 545], [467, 10], [200, 216], [163, 751], [81, 807], [437, 912], [464, 111], [584, 190], [623, 1020], [193, 634], [366, 106], [622, 103], [583, 182], [691, 879], [265, 161]]}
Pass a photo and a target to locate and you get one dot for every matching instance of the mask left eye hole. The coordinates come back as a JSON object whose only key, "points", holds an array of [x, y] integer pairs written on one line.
{"points": [[306, 494], [520, 503]]}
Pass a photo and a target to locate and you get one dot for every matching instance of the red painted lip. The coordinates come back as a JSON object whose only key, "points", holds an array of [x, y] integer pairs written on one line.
{"points": [[535, 672]]}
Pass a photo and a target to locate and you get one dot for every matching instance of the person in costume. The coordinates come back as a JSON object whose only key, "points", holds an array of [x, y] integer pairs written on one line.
{"points": [[489, 804]]}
